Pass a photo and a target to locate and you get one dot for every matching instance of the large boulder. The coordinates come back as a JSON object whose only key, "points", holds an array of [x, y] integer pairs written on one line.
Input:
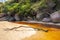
{"points": [[55, 16]]}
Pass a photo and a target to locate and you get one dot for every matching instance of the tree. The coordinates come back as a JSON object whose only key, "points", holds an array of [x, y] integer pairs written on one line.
{"points": [[1, 7]]}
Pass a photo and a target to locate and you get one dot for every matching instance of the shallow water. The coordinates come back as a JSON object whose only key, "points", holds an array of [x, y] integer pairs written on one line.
{"points": [[14, 32], [52, 34]]}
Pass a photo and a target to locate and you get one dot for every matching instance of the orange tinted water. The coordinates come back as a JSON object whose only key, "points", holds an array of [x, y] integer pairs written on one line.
{"points": [[52, 34]]}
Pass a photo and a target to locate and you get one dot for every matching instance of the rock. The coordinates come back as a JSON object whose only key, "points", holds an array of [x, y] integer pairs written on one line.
{"points": [[25, 19], [3, 19], [11, 19], [7, 18], [40, 16], [3, 15], [17, 17], [55, 16], [29, 18], [46, 20], [21, 17]]}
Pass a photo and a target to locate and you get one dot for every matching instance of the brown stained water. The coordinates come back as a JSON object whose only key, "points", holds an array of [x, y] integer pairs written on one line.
{"points": [[52, 34]]}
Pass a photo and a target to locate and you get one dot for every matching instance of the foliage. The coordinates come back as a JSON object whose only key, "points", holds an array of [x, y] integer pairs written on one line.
{"points": [[1, 7], [40, 4], [24, 6]]}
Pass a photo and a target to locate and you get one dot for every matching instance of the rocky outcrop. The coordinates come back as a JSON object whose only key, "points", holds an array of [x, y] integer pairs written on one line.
{"points": [[55, 16], [6, 17]]}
